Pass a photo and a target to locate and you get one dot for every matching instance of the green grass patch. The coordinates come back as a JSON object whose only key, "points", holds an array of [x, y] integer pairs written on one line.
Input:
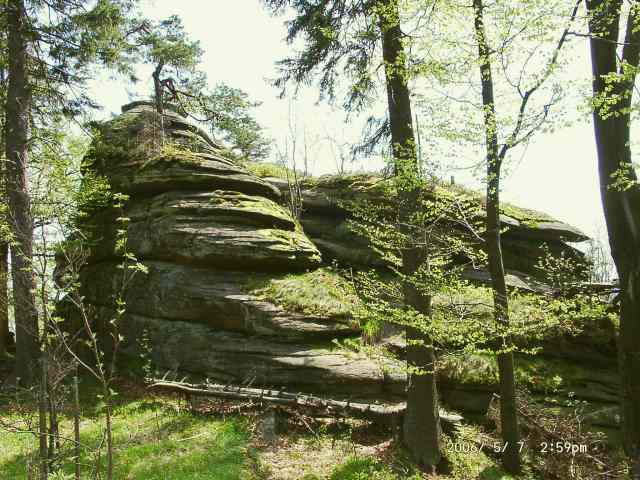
{"points": [[153, 441], [467, 460], [366, 468], [266, 169], [323, 292]]}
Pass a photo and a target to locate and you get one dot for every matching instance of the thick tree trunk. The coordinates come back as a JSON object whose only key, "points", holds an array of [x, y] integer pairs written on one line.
{"points": [[421, 421], [17, 131], [508, 407], [621, 203]]}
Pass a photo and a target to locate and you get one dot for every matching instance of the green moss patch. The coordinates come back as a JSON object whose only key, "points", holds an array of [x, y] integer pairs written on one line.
{"points": [[344, 186], [266, 169], [322, 292]]}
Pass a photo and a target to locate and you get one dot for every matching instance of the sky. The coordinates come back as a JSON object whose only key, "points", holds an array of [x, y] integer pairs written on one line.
{"points": [[556, 174]]}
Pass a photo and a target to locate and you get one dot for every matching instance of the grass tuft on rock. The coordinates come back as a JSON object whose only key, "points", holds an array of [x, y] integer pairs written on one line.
{"points": [[323, 292], [267, 169]]}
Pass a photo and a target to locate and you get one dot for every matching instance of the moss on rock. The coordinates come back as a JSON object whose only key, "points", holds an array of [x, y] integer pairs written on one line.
{"points": [[323, 292]]}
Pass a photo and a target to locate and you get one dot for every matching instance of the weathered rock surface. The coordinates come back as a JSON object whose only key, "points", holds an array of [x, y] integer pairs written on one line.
{"points": [[188, 202], [217, 299], [209, 231], [183, 228], [324, 218], [138, 159], [240, 359]]}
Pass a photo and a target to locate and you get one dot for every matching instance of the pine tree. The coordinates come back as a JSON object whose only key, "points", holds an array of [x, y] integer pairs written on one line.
{"points": [[178, 80]]}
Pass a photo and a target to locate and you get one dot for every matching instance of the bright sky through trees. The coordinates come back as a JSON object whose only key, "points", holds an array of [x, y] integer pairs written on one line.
{"points": [[241, 42]]}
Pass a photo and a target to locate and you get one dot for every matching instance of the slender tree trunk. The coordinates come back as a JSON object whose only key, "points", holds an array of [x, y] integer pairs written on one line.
{"points": [[42, 422], [621, 203], [422, 421], [76, 426], [159, 98], [109, 428], [17, 131], [157, 88], [508, 407], [4, 242], [4, 296]]}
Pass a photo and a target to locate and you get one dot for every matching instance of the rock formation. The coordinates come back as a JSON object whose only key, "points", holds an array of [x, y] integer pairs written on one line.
{"points": [[211, 233], [528, 235], [205, 228]]}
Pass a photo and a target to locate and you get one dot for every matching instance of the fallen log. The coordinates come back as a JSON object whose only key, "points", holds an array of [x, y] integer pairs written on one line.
{"points": [[370, 411], [279, 397]]}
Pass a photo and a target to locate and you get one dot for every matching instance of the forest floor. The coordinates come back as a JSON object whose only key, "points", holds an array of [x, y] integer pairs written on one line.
{"points": [[164, 437]]}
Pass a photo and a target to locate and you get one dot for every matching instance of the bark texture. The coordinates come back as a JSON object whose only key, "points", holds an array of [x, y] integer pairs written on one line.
{"points": [[620, 200], [421, 422], [17, 131], [508, 407], [4, 298]]}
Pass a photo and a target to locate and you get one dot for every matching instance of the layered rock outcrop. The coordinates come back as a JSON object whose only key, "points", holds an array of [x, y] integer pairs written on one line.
{"points": [[212, 234], [205, 229], [528, 236]]}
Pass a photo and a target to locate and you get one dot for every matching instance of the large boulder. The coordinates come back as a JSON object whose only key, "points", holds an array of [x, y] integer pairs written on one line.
{"points": [[188, 202]]}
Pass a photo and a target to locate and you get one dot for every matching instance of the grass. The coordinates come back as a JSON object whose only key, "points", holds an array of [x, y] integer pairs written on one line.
{"points": [[323, 292], [152, 438], [266, 169], [156, 439], [465, 462], [462, 463]]}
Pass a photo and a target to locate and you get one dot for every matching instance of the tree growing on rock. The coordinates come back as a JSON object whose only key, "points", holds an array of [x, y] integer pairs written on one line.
{"points": [[177, 80]]}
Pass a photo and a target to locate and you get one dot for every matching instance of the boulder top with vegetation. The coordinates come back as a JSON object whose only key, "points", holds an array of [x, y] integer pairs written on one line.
{"points": [[328, 192], [189, 200], [530, 238]]}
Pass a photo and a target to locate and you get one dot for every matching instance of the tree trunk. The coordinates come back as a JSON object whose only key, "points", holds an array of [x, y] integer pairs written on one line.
{"points": [[621, 203], [508, 407], [421, 422], [17, 131], [4, 241], [76, 426], [42, 422], [157, 88], [4, 296]]}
